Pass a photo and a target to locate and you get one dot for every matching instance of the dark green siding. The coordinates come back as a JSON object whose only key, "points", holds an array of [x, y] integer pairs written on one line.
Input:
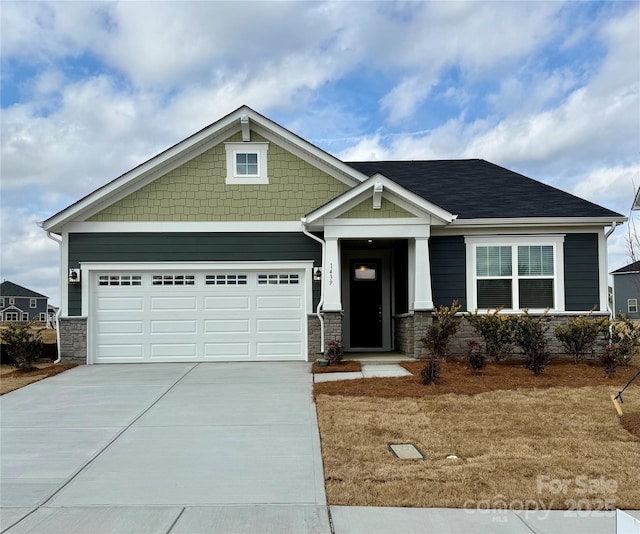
{"points": [[581, 277], [156, 247], [448, 270]]}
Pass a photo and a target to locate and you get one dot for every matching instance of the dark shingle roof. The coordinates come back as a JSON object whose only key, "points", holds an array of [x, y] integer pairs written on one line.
{"points": [[9, 289], [631, 268], [477, 189]]}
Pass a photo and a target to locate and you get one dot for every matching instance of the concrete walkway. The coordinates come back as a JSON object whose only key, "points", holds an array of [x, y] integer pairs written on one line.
{"points": [[201, 448]]}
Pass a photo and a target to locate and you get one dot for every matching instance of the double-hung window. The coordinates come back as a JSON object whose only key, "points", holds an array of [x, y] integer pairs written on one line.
{"points": [[247, 163], [515, 273]]}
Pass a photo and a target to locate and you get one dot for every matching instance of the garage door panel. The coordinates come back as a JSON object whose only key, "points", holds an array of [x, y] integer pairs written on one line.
{"points": [[281, 325], [174, 326], [209, 319], [121, 303], [226, 303], [217, 326], [174, 303], [225, 350], [278, 302]]}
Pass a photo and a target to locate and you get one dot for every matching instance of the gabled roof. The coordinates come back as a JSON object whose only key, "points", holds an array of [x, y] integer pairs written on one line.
{"points": [[9, 289], [477, 189], [191, 147], [632, 268]]}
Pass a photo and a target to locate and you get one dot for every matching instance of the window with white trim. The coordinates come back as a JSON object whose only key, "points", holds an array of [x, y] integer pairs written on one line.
{"points": [[12, 301], [43, 317], [120, 280], [11, 316], [247, 163], [226, 280], [173, 280], [278, 279], [33, 303], [1, 302], [632, 305], [515, 273], [25, 316]]}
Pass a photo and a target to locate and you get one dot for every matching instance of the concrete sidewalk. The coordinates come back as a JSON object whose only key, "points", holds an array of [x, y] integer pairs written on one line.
{"points": [[200, 448]]}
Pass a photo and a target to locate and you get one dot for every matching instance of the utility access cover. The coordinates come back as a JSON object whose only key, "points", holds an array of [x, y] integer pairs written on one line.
{"points": [[405, 451]]}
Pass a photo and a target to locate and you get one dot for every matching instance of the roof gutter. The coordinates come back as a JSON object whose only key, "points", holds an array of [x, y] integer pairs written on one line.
{"points": [[57, 360], [321, 302]]}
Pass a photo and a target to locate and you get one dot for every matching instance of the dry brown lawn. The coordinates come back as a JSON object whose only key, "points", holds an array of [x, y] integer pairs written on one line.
{"points": [[48, 334], [12, 378], [521, 440]]}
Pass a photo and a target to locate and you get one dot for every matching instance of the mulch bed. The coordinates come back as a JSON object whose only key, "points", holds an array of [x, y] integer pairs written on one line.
{"points": [[350, 366], [456, 378]]}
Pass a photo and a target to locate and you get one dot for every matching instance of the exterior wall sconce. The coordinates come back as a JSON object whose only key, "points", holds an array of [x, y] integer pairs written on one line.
{"points": [[74, 276], [317, 274]]}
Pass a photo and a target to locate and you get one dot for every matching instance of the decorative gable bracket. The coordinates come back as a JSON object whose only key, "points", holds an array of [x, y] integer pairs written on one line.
{"points": [[377, 196], [246, 130]]}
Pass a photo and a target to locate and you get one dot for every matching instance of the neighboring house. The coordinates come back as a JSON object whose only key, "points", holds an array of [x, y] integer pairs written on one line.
{"points": [[626, 290], [18, 303], [51, 316], [226, 245]]}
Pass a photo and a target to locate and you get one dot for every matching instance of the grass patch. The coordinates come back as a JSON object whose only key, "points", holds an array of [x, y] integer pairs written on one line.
{"points": [[507, 426], [12, 378]]}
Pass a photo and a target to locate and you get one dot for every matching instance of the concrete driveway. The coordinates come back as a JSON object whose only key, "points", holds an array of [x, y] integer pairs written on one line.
{"points": [[185, 448]]}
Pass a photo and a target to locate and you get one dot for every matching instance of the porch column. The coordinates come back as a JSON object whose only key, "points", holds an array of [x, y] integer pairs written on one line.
{"points": [[331, 276], [422, 297]]}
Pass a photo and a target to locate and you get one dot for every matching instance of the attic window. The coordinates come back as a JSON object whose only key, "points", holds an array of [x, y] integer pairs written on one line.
{"points": [[247, 163]]}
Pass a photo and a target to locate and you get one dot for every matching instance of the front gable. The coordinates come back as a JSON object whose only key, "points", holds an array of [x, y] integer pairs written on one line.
{"points": [[197, 190], [387, 210]]}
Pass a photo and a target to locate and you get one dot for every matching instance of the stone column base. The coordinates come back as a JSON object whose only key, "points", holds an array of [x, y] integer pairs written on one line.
{"points": [[73, 339]]}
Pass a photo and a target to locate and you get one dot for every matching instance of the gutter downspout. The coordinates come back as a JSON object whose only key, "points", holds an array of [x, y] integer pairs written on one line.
{"points": [[57, 360], [318, 314], [614, 225]]}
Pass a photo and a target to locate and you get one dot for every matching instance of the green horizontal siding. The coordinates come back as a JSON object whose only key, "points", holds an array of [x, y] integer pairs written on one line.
{"points": [[181, 247], [448, 270], [581, 272]]}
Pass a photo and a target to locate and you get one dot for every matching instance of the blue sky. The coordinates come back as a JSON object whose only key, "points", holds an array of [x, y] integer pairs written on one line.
{"points": [[91, 89]]}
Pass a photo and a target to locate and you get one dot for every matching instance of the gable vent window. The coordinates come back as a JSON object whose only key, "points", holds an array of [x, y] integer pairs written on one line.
{"points": [[226, 280], [247, 163], [278, 279], [119, 280], [173, 280]]}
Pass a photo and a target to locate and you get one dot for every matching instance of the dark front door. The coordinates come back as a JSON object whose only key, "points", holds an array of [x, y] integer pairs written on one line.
{"points": [[365, 298]]}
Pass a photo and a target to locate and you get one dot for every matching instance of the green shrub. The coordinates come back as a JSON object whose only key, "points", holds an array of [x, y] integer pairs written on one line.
{"points": [[431, 372], [23, 343], [609, 359], [529, 334], [334, 351], [475, 358], [437, 337], [626, 335], [496, 331], [579, 336]]}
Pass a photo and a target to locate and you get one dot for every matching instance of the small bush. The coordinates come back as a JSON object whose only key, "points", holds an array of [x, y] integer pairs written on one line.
{"points": [[609, 359], [334, 351], [438, 335], [626, 335], [579, 336], [23, 343], [475, 357], [529, 334], [496, 331], [431, 372]]}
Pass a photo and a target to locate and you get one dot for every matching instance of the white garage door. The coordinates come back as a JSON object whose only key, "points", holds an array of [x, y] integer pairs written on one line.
{"points": [[198, 316]]}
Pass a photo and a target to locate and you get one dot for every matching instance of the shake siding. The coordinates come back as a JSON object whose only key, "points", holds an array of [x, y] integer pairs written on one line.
{"points": [[581, 283], [448, 270], [180, 247]]}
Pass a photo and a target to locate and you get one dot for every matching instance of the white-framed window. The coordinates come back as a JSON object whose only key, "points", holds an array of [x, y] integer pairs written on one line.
{"points": [[12, 301], [33, 303], [173, 280], [515, 272], [226, 279], [11, 316], [25, 316], [43, 317], [278, 279], [247, 163], [632, 305], [1, 302], [120, 280]]}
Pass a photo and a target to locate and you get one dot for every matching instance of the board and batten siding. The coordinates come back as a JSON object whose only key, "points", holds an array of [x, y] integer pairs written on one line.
{"points": [[448, 270], [185, 247], [581, 272], [581, 264]]}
